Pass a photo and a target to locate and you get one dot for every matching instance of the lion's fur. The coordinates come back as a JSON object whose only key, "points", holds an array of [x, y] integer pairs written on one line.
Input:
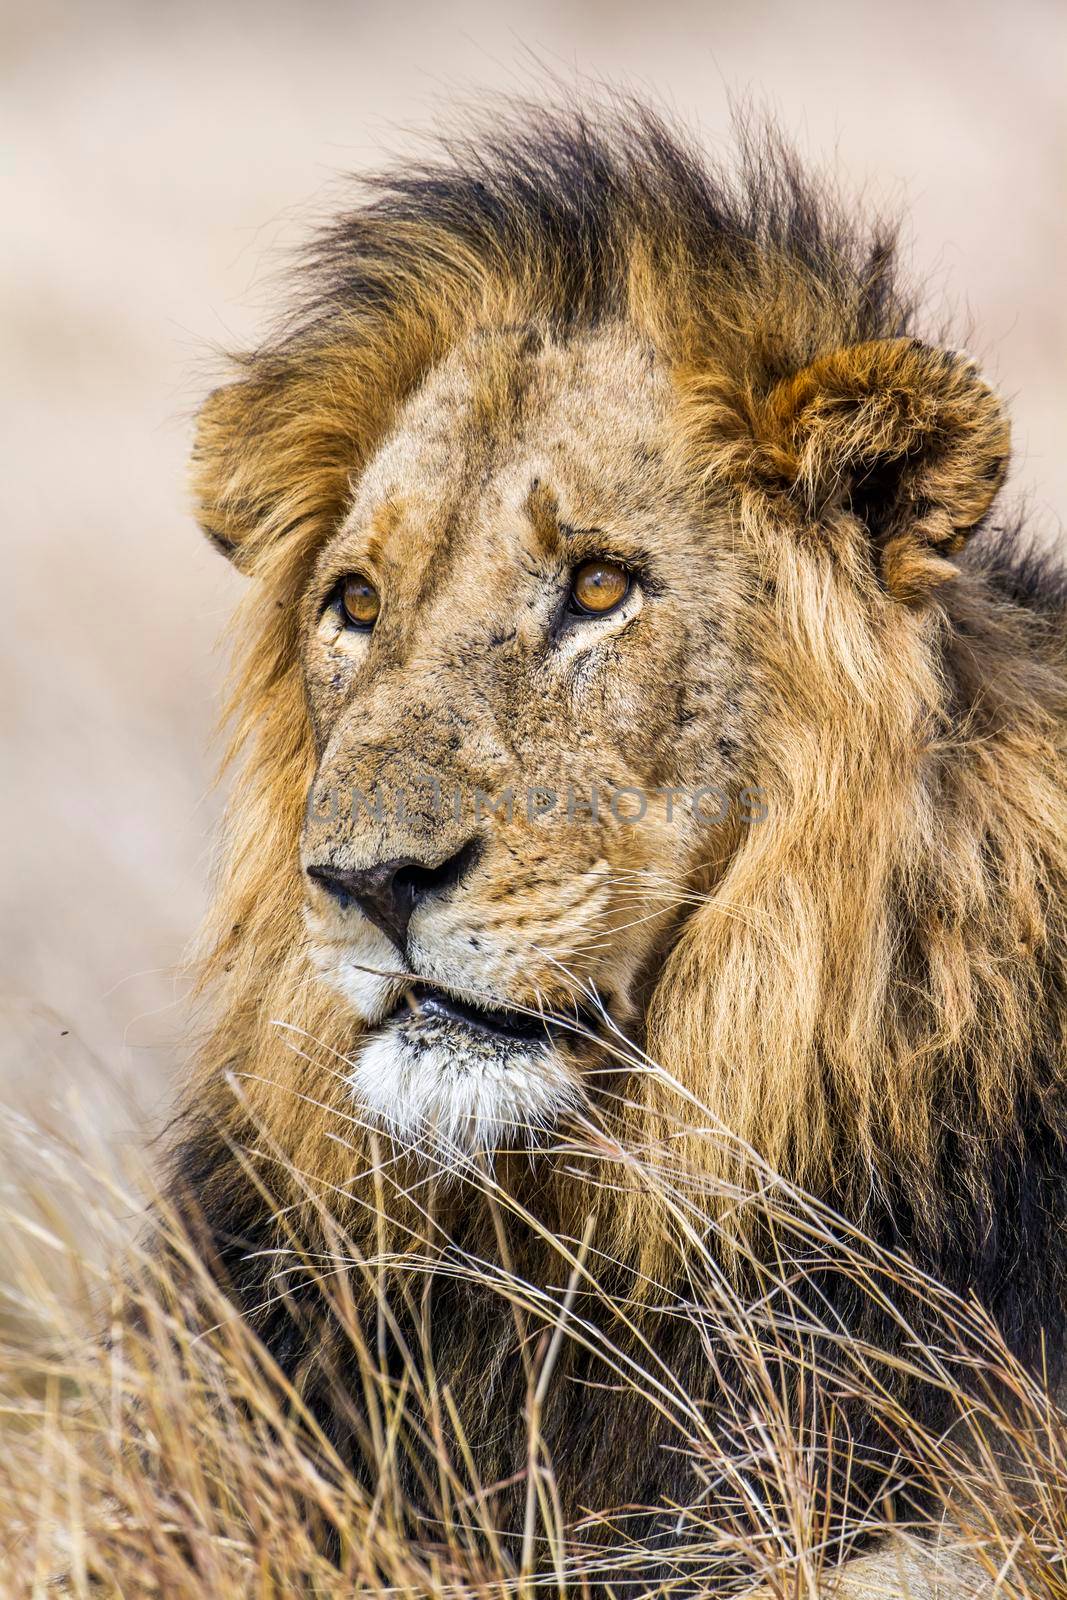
{"points": [[871, 995]]}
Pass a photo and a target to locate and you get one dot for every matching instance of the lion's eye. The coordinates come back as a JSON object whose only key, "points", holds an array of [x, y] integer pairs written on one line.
{"points": [[597, 587], [360, 601]]}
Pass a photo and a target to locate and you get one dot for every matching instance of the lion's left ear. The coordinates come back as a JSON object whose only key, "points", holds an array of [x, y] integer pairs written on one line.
{"points": [[905, 440]]}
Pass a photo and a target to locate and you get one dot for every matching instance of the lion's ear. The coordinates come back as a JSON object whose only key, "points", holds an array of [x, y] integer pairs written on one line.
{"points": [[273, 452], [231, 429], [905, 440]]}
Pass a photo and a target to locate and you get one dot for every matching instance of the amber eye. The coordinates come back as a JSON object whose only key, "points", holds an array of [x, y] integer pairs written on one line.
{"points": [[597, 587], [360, 601]]}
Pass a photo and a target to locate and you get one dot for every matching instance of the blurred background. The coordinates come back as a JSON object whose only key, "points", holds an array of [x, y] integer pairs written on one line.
{"points": [[160, 160]]}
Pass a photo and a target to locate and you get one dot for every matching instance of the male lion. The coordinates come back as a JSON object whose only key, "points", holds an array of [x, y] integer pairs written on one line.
{"points": [[649, 738]]}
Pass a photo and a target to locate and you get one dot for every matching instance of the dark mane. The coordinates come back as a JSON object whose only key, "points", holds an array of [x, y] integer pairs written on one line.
{"points": [[560, 197], [1020, 568]]}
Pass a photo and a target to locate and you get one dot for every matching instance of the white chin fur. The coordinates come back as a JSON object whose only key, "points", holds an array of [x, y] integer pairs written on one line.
{"points": [[444, 1094]]}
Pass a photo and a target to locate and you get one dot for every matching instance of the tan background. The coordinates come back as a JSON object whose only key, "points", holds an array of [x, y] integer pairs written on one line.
{"points": [[159, 158]]}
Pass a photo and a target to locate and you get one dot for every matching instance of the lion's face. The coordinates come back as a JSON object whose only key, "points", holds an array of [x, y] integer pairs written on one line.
{"points": [[522, 668]]}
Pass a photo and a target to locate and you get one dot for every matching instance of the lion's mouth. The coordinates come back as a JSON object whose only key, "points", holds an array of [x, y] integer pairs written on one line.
{"points": [[453, 1071], [431, 1008]]}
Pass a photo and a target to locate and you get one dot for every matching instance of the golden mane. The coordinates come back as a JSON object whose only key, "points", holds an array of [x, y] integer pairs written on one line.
{"points": [[886, 961]]}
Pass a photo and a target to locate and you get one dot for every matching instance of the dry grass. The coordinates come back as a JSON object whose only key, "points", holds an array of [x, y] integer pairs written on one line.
{"points": [[172, 1458]]}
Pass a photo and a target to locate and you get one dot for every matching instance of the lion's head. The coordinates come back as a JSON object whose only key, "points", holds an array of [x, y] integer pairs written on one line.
{"points": [[615, 689]]}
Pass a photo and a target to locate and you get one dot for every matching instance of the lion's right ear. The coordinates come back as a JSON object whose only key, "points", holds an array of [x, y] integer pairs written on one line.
{"points": [[274, 452]]}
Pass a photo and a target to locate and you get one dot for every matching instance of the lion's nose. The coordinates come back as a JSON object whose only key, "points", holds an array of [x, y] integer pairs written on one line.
{"points": [[390, 892]]}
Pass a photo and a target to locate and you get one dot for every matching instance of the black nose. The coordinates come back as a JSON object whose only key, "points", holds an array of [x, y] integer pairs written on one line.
{"points": [[389, 892]]}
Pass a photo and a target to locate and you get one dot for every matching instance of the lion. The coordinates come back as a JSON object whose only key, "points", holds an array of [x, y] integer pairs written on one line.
{"points": [[640, 705]]}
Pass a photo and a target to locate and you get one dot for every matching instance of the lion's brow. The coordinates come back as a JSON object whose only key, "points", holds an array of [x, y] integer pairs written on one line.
{"points": [[542, 508]]}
